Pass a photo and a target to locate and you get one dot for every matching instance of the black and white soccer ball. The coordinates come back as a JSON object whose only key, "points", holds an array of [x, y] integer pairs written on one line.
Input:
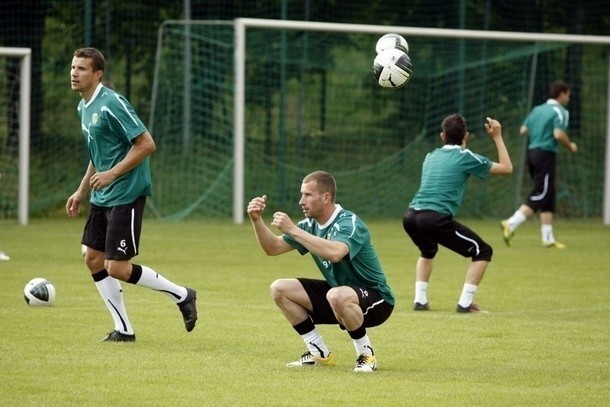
{"points": [[39, 292], [392, 68], [392, 41]]}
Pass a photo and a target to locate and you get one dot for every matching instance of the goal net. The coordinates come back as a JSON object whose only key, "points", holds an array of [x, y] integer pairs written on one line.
{"points": [[303, 99], [15, 68]]}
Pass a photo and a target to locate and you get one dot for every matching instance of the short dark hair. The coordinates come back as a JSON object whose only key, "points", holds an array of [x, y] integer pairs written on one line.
{"points": [[97, 58], [454, 127], [325, 182], [557, 88]]}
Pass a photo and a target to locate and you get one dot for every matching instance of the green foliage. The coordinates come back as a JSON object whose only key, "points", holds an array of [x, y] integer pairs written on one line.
{"points": [[545, 341], [317, 86]]}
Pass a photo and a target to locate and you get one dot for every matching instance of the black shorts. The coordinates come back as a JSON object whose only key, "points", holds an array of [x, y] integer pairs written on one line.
{"points": [[427, 229], [541, 165], [374, 308], [115, 230]]}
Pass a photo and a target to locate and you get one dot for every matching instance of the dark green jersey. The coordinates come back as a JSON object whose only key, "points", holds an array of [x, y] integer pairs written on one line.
{"points": [[360, 267], [445, 172], [541, 123], [109, 125]]}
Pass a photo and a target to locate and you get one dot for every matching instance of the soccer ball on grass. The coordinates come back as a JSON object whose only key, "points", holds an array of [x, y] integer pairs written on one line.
{"points": [[392, 68], [39, 292]]}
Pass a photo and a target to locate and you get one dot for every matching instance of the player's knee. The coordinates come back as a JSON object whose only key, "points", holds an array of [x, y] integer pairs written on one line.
{"points": [[119, 270], [275, 289], [485, 252], [428, 253], [337, 297], [278, 288], [94, 260]]}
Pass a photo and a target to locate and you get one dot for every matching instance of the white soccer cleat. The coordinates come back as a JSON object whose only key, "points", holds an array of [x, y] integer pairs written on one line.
{"points": [[307, 359], [366, 363], [555, 245]]}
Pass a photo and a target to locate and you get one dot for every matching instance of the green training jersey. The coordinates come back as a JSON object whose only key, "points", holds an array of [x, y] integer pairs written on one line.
{"points": [[109, 124], [541, 123], [445, 172], [360, 267]]}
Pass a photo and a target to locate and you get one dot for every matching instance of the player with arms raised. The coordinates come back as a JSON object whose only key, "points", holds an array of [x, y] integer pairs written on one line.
{"points": [[429, 220], [354, 293]]}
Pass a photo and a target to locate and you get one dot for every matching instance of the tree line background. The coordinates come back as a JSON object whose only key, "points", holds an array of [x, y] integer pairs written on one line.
{"points": [[126, 31]]}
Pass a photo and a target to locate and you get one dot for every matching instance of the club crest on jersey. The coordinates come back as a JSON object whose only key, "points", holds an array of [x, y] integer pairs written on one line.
{"points": [[94, 118]]}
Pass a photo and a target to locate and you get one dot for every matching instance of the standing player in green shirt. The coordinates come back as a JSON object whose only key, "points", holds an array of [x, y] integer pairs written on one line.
{"points": [[546, 127], [118, 177], [429, 220], [354, 293]]}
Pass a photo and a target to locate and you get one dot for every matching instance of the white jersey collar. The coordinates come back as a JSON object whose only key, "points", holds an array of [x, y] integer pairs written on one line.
{"points": [[552, 102], [451, 146], [330, 220], [97, 91]]}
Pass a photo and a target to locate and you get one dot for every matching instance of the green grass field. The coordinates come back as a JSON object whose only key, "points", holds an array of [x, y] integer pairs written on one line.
{"points": [[546, 340]]}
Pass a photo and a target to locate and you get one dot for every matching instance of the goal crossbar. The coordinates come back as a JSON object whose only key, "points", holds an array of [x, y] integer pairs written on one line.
{"points": [[241, 24]]}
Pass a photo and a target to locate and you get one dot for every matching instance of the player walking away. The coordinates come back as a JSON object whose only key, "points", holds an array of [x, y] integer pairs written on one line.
{"points": [[429, 220], [546, 126], [119, 178], [354, 293]]}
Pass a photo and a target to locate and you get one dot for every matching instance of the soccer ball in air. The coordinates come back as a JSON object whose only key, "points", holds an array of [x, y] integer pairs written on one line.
{"points": [[39, 292], [392, 68], [392, 41]]}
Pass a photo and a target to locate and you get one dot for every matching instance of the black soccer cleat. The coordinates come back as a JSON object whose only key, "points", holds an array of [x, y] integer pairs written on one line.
{"points": [[420, 307], [472, 308], [188, 308], [116, 336]]}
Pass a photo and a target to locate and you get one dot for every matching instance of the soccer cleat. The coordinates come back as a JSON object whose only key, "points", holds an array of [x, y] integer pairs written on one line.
{"points": [[307, 359], [366, 363], [556, 245], [420, 307], [507, 234], [116, 336], [472, 308], [188, 308]]}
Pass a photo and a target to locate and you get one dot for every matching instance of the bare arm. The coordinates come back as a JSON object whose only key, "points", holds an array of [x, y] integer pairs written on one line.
{"points": [[504, 166], [142, 147], [523, 130], [271, 244], [74, 201], [327, 249], [563, 139]]}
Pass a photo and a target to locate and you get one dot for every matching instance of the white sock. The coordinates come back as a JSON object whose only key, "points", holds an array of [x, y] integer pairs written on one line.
{"points": [[363, 346], [547, 233], [468, 293], [315, 344], [110, 290], [420, 292], [152, 279], [516, 220]]}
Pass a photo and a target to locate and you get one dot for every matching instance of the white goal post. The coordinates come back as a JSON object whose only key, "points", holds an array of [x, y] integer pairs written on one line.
{"points": [[242, 24], [25, 78]]}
